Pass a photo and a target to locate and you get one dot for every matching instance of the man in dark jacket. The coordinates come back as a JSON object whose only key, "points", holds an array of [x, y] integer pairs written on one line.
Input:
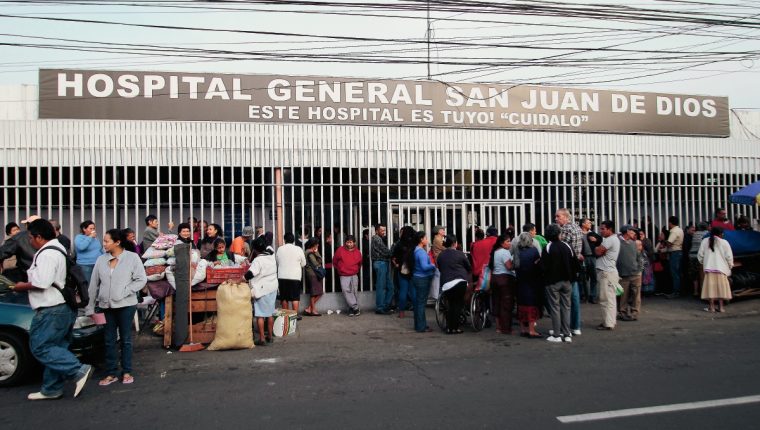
{"points": [[19, 245], [557, 264], [455, 271]]}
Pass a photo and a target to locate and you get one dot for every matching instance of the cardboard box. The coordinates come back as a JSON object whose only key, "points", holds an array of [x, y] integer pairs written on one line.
{"points": [[285, 322]]}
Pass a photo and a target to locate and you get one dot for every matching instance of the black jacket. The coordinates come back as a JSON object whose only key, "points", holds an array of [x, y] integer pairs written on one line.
{"points": [[20, 246], [453, 264], [557, 263]]}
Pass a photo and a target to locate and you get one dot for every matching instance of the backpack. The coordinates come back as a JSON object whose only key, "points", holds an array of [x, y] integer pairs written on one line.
{"points": [[75, 291]]}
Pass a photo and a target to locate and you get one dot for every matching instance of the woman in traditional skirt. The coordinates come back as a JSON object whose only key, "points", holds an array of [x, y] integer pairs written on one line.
{"points": [[717, 259], [530, 285], [315, 272]]}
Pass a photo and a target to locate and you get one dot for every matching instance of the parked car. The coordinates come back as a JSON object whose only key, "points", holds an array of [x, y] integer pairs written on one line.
{"points": [[16, 360]]}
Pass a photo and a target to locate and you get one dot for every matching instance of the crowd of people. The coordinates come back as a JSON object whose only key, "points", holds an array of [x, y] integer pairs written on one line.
{"points": [[553, 274], [534, 274]]}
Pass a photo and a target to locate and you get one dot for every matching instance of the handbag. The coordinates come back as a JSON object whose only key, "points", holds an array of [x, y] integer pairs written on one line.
{"points": [[657, 267], [405, 270], [484, 280], [319, 271], [618, 290]]}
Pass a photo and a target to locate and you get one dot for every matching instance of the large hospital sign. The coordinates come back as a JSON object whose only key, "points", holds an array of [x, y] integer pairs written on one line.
{"points": [[89, 94]]}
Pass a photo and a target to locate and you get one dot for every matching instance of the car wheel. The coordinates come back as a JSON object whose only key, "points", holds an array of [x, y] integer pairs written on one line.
{"points": [[15, 359]]}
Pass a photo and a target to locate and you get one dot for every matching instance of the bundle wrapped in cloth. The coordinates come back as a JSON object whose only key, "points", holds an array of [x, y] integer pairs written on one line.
{"points": [[164, 242], [234, 327]]}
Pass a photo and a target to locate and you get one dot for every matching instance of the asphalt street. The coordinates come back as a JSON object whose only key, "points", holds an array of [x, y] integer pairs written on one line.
{"points": [[375, 372]]}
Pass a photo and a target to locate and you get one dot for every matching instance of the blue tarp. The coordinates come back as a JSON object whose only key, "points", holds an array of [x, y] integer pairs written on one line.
{"points": [[743, 242]]}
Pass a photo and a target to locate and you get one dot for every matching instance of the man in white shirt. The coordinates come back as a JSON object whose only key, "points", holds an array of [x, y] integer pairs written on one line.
{"points": [[607, 274], [675, 250], [290, 263], [53, 321]]}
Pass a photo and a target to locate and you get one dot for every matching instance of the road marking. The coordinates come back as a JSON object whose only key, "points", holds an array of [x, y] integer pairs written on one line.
{"points": [[658, 409]]}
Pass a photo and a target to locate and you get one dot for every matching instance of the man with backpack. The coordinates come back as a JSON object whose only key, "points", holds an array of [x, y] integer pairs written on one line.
{"points": [[53, 321]]}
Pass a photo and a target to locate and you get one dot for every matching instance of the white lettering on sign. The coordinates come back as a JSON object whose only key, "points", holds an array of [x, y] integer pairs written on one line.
{"points": [[64, 84], [219, 97]]}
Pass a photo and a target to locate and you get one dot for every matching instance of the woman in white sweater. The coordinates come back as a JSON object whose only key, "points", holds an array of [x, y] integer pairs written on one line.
{"points": [[717, 260], [262, 278]]}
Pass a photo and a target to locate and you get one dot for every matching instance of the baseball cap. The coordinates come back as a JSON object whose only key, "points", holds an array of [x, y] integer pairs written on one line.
{"points": [[30, 219]]}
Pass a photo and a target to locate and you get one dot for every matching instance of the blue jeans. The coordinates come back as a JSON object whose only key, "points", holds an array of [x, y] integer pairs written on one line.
{"points": [[49, 338], [405, 290], [87, 270], [422, 288], [675, 270], [383, 286], [121, 319], [575, 307], [590, 282]]}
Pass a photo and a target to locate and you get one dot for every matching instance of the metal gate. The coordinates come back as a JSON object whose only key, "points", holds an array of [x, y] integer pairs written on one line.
{"points": [[459, 217]]}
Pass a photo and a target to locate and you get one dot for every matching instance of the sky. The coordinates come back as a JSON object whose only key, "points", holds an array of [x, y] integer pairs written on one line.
{"points": [[697, 47]]}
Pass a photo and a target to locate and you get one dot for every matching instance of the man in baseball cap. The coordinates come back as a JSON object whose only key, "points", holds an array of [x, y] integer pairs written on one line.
{"points": [[241, 245], [30, 219]]}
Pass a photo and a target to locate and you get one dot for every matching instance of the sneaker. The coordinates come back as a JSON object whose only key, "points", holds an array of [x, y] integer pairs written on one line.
{"points": [[84, 374], [350, 313], [673, 295], [40, 396], [577, 332], [568, 339], [357, 312], [554, 339]]}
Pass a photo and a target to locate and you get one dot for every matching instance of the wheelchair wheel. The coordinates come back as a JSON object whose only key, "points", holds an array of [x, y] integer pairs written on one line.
{"points": [[479, 310], [441, 308]]}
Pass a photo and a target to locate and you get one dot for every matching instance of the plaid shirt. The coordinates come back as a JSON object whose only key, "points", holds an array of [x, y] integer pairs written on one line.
{"points": [[573, 236]]}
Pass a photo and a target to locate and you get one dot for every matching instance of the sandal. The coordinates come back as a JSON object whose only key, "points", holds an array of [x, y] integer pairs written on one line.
{"points": [[712, 311], [108, 380], [127, 379]]}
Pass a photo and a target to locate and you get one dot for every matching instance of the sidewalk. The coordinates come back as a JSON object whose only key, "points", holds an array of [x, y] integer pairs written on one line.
{"points": [[371, 337]]}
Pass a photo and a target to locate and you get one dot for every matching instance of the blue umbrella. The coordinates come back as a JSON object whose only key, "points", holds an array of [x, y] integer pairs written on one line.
{"points": [[749, 195]]}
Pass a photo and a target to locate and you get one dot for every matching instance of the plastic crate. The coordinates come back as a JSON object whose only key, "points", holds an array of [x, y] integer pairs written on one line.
{"points": [[218, 276]]}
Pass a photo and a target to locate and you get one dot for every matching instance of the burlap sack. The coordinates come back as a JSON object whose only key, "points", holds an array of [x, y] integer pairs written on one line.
{"points": [[234, 326]]}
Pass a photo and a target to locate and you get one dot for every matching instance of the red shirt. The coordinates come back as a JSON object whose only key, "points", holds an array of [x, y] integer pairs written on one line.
{"points": [[725, 225], [346, 262], [481, 254]]}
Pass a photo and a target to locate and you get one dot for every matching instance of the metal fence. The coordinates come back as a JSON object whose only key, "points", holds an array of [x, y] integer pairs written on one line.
{"points": [[345, 179]]}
